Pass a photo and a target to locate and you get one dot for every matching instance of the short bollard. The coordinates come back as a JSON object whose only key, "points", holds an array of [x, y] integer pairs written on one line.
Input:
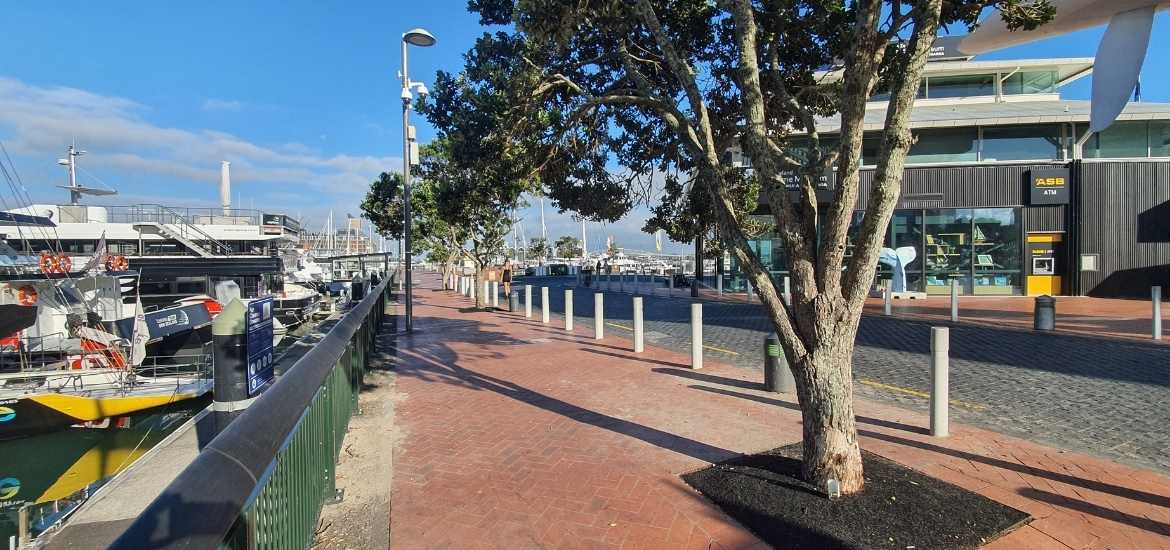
{"points": [[598, 316], [696, 336], [787, 292], [888, 301], [514, 301], [487, 294], [230, 354], [777, 377], [751, 292], [954, 300], [719, 283], [670, 285], [527, 301], [569, 310], [1045, 313], [639, 332], [1156, 299], [544, 304], [940, 381], [495, 294]]}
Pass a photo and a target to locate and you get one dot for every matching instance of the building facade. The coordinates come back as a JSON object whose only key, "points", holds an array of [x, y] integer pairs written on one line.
{"points": [[1006, 194]]}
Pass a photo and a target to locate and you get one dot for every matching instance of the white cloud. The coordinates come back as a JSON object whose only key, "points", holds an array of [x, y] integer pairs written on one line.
{"points": [[37, 122], [212, 104]]}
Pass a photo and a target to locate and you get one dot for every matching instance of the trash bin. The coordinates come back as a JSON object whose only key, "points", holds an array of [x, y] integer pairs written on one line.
{"points": [[777, 377], [1045, 314]]}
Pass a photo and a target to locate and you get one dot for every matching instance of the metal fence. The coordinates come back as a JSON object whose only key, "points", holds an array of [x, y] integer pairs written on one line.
{"points": [[262, 481]]}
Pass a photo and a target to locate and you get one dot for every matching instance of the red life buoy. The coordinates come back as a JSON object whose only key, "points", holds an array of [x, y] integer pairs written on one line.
{"points": [[123, 263], [64, 264], [26, 295], [111, 263], [46, 263]]}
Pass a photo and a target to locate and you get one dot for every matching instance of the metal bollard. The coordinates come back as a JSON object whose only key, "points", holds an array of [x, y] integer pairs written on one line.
{"points": [[670, 285], [487, 296], [940, 381], [1156, 299], [527, 301], [639, 332], [495, 294], [751, 292], [514, 301], [888, 300], [230, 363], [598, 316], [787, 292], [544, 304], [719, 283], [696, 336], [1044, 316], [777, 376], [954, 300], [569, 310], [621, 282]]}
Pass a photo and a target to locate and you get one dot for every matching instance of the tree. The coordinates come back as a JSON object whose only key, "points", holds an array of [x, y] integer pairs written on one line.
{"points": [[539, 249], [383, 205], [568, 247], [674, 85]]}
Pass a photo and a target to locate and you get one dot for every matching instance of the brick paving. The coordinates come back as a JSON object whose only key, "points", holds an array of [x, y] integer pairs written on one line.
{"points": [[520, 435], [1082, 393]]}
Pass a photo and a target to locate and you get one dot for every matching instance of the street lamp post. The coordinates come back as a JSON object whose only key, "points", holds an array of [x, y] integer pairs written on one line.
{"points": [[423, 39]]}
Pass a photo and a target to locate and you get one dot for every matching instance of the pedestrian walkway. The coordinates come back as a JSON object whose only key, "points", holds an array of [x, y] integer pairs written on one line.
{"points": [[521, 435]]}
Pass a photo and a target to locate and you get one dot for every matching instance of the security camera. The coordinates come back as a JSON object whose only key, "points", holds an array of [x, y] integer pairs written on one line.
{"points": [[422, 90]]}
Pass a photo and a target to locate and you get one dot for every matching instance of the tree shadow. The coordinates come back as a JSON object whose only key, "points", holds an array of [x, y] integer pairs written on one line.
{"points": [[1141, 522], [1091, 484], [710, 378], [795, 407], [634, 358], [432, 360]]}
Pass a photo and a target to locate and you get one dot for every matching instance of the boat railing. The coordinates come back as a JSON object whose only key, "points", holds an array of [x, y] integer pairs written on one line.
{"points": [[262, 481], [157, 213]]}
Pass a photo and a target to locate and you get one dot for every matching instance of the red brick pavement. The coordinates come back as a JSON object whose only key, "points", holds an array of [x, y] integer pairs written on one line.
{"points": [[520, 435]]}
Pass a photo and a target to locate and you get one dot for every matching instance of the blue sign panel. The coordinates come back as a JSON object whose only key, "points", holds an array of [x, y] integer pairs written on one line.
{"points": [[259, 331]]}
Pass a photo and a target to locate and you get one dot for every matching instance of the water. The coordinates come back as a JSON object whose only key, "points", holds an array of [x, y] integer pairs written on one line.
{"points": [[54, 473]]}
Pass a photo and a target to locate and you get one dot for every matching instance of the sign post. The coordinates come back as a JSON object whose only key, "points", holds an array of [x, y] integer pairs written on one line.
{"points": [[259, 332]]}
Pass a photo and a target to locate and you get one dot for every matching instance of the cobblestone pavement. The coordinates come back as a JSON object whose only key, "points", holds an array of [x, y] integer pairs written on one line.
{"points": [[1097, 395]]}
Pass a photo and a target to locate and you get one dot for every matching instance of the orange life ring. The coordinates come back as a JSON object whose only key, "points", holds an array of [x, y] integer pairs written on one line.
{"points": [[111, 263], [46, 263], [64, 264], [123, 263], [26, 295]]}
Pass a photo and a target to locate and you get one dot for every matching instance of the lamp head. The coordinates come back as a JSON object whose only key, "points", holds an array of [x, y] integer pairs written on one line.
{"points": [[419, 37]]}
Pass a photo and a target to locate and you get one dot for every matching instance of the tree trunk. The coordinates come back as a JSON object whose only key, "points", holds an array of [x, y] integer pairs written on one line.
{"points": [[824, 384], [481, 297]]}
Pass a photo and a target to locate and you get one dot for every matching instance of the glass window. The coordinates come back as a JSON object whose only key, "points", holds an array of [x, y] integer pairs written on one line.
{"points": [[1121, 140], [1030, 82], [905, 248], [960, 86], [997, 251], [948, 249], [1160, 138], [949, 145], [1021, 143]]}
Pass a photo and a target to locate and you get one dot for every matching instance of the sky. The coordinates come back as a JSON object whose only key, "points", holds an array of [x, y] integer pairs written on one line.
{"points": [[301, 97]]}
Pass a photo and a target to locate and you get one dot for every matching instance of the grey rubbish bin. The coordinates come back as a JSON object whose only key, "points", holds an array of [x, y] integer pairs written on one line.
{"points": [[777, 377], [1045, 315]]}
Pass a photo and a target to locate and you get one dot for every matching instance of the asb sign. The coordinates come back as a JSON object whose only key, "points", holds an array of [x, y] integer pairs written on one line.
{"points": [[1048, 186], [259, 334]]}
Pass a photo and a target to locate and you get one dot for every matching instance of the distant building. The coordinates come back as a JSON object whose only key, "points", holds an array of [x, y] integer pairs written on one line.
{"points": [[1005, 193], [341, 243]]}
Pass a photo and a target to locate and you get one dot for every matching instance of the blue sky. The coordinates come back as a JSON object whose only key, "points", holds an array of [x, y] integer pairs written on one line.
{"points": [[300, 96]]}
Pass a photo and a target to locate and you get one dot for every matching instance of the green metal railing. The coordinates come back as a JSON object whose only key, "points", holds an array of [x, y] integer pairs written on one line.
{"points": [[285, 480]]}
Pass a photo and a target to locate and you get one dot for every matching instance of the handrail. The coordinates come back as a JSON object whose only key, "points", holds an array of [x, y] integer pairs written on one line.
{"points": [[210, 497], [183, 224]]}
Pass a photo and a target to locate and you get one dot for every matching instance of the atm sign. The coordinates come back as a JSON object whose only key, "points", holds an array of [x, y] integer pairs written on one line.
{"points": [[1048, 186]]}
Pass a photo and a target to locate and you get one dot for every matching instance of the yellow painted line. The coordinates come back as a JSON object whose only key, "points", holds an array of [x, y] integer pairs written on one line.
{"points": [[713, 348], [916, 393], [624, 327]]}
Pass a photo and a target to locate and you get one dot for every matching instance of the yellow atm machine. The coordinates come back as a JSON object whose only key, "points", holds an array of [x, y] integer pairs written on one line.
{"points": [[1046, 261]]}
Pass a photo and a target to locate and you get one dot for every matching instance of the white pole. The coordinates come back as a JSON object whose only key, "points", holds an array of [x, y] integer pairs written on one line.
{"points": [[639, 332], [569, 310], [696, 336], [939, 381], [954, 300], [887, 300], [787, 292], [487, 294], [544, 304], [527, 301], [1156, 298], [495, 294], [598, 316]]}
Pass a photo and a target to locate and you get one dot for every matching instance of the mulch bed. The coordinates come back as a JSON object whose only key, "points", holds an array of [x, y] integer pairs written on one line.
{"points": [[899, 508]]}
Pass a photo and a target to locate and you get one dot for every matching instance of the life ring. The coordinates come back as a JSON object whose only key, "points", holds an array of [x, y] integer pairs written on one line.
{"points": [[111, 263], [64, 264], [123, 263], [46, 262], [26, 295]]}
